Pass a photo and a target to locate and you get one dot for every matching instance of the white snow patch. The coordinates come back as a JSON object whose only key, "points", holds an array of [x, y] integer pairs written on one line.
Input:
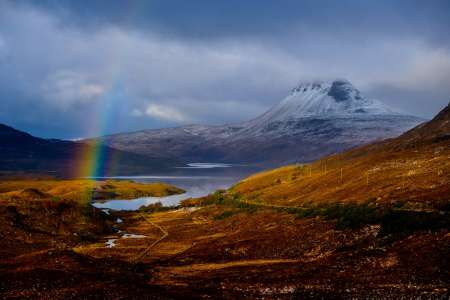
{"points": [[111, 243], [133, 236]]}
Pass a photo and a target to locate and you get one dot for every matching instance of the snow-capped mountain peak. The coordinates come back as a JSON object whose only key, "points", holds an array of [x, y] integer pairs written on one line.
{"points": [[317, 118], [325, 98]]}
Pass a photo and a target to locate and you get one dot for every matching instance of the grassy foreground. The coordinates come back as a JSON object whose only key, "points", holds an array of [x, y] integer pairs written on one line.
{"points": [[42, 221], [222, 247]]}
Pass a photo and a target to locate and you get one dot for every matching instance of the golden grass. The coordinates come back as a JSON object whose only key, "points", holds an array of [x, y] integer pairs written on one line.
{"points": [[81, 190], [415, 175]]}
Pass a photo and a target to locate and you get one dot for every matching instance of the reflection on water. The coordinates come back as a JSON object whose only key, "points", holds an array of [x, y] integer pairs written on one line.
{"points": [[196, 181]]}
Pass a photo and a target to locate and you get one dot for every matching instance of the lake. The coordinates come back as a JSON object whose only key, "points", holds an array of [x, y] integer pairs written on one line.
{"points": [[197, 179]]}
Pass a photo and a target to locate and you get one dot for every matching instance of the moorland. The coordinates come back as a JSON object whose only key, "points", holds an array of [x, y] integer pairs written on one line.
{"points": [[371, 222]]}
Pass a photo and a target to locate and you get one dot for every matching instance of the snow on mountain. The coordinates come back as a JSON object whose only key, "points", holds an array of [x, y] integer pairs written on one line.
{"points": [[317, 118], [338, 98]]}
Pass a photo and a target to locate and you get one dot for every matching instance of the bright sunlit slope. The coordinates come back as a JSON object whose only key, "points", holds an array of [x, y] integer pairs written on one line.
{"points": [[412, 170], [81, 191]]}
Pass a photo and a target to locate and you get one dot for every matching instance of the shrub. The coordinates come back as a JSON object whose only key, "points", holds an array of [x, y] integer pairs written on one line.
{"points": [[224, 215], [394, 222], [401, 223], [347, 215], [154, 207], [352, 215]]}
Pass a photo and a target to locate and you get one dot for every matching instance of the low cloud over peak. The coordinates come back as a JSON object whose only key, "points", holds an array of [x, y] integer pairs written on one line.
{"points": [[161, 112]]}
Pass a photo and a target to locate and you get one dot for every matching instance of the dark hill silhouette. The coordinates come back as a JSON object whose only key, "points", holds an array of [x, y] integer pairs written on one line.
{"points": [[22, 152]]}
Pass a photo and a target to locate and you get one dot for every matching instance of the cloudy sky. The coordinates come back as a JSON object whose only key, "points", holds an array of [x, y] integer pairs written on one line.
{"points": [[71, 69]]}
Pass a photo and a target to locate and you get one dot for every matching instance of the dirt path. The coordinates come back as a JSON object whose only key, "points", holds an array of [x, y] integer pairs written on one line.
{"points": [[164, 232], [216, 266], [275, 206]]}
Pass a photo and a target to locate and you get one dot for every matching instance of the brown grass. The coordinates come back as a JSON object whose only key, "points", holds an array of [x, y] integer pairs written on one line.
{"points": [[389, 175]]}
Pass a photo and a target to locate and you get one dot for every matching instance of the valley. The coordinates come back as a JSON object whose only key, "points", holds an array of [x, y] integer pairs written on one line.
{"points": [[228, 251], [328, 229]]}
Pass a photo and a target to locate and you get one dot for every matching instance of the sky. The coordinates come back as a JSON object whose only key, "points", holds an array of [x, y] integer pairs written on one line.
{"points": [[76, 69]]}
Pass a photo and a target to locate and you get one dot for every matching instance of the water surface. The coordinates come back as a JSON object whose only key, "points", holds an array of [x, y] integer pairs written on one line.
{"points": [[197, 179]]}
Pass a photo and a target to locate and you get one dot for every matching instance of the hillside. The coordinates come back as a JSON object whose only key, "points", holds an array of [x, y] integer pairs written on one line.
{"points": [[22, 152], [317, 118], [412, 170]]}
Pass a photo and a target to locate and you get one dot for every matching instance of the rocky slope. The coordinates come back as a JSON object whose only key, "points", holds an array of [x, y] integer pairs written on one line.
{"points": [[316, 119]]}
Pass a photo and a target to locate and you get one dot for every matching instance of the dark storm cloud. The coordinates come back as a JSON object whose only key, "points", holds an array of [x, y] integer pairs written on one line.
{"points": [[160, 63], [218, 19]]}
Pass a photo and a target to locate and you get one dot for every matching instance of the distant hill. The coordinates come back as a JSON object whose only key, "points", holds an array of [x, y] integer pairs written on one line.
{"points": [[22, 152], [411, 170], [317, 118], [437, 130]]}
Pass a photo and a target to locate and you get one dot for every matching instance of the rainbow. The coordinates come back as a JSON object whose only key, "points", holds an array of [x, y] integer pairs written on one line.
{"points": [[94, 159]]}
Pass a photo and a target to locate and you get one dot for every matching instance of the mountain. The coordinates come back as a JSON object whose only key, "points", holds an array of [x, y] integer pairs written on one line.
{"points": [[436, 130], [317, 118], [412, 170], [322, 98], [22, 152]]}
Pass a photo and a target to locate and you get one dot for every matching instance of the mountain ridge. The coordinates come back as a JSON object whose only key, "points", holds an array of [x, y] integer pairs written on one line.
{"points": [[315, 119]]}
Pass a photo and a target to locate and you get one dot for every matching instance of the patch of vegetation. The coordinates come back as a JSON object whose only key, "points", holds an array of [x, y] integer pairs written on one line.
{"points": [[223, 198], [414, 205], [155, 207], [400, 223], [394, 221], [234, 200], [352, 215], [443, 205], [226, 214]]}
